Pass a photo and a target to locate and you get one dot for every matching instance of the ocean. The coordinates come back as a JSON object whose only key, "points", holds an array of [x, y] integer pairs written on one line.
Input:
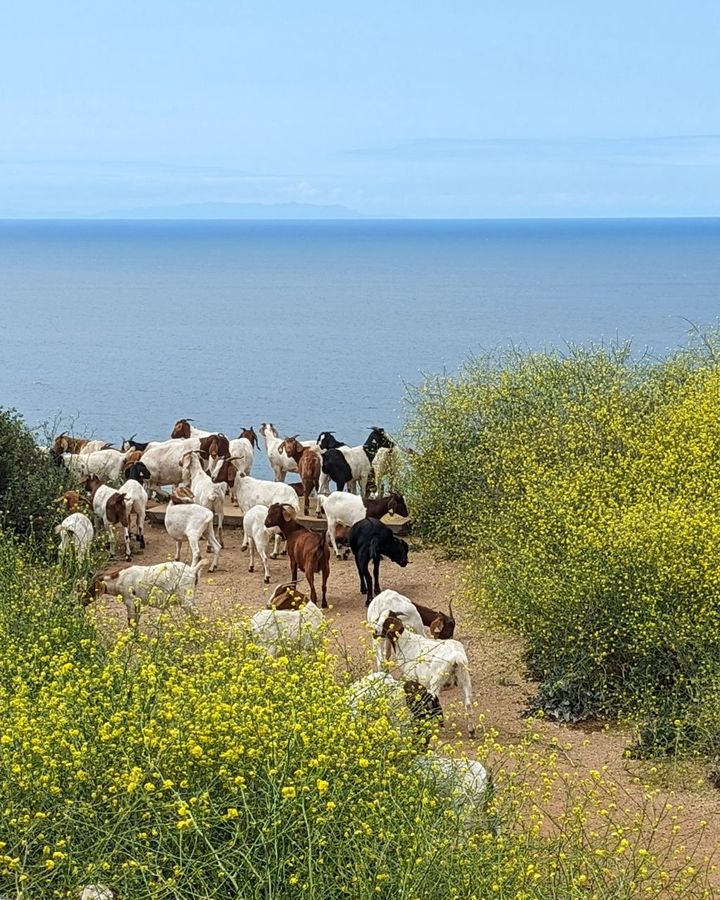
{"points": [[115, 327]]}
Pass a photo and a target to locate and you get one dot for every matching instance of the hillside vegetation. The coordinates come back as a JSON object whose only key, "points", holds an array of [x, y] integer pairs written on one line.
{"points": [[584, 489]]}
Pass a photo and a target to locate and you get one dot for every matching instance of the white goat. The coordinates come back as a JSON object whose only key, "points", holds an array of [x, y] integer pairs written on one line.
{"points": [[275, 628], [465, 782], [241, 454], [205, 491], [92, 446], [157, 584], [136, 499], [380, 689], [188, 521], [340, 508], [380, 607], [106, 464], [257, 537], [164, 461], [250, 492], [280, 463], [434, 664], [76, 534]]}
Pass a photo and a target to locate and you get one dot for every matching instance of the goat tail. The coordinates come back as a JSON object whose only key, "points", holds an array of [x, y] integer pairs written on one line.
{"points": [[374, 548], [322, 549]]}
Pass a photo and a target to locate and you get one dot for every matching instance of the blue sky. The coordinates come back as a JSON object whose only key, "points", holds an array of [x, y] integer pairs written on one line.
{"points": [[411, 109]]}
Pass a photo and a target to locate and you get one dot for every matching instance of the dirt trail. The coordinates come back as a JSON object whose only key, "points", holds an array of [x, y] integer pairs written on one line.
{"points": [[499, 687]]}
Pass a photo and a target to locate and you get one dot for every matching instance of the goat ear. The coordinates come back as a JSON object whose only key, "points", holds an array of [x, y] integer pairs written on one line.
{"points": [[287, 512]]}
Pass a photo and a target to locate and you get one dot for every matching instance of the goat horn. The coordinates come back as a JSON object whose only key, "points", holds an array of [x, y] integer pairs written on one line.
{"points": [[450, 608]]}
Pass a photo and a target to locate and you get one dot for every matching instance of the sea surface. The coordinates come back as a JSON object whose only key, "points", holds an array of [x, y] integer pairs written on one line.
{"points": [[117, 327]]}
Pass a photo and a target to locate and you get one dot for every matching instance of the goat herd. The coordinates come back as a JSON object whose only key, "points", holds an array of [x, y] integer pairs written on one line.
{"points": [[202, 468]]}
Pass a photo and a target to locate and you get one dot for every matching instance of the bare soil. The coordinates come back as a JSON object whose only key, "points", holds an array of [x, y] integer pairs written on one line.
{"points": [[500, 688]]}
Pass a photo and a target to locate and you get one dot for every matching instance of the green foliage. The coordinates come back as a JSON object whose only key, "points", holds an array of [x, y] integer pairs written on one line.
{"points": [[585, 488], [30, 481], [188, 764]]}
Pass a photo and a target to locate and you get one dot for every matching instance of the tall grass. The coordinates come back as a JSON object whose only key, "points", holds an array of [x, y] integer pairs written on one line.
{"points": [[584, 487], [187, 764]]}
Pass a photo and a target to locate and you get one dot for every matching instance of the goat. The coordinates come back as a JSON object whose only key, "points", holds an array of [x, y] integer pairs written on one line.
{"points": [[257, 537], [72, 501], [369, 541], [250, 492], [186, 520], [242, 452], [106, 464], [183, 429], [334, 468], [213, 449], [157, 584], [132, 457], [359, 458], [281, 624], [379, 608], [402, 699], [76, 534], [307, 551], [131, 444], [163, 461], [308, 464], [279, 461], [136, 499], [433, 664], [466, 783], [347, 509], [205, 491], [440, 625], [109, 510], [137, 471]]}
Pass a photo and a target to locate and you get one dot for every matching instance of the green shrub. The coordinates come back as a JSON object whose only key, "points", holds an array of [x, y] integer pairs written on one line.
{"points": [[30, 482], [585, 488]]}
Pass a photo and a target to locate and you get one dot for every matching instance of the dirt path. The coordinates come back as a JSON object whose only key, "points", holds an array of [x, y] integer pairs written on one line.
{"points": [[499, 687]]}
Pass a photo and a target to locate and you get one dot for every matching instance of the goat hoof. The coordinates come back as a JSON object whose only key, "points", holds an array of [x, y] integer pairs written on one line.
{"points": [[251, 568], [273, 556], [266, 580]]}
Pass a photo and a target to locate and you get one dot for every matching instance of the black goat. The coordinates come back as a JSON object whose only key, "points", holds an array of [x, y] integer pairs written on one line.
{"points": [[370, 540], [337, 467]]}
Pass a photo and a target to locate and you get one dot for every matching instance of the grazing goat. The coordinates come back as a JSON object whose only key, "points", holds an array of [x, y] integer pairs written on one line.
{"points": [[76, 534], [109, 509], [308, 464], [106, 464], [205, 491], [440, 625], [257, 537], [136, 499], [157, 584], [434, 664], [369, 541], [466, 783], [187, 521], [291, 619], [347, 509], [73, 501], [402, 700], [307, 551]]}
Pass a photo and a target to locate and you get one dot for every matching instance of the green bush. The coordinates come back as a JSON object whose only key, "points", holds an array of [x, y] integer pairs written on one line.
{"points": [[585, 489], [30, 482]]}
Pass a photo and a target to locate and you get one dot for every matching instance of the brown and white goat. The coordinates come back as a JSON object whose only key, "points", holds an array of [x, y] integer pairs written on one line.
{"points": [[109, 509], [309, 465], [307, 551]]}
